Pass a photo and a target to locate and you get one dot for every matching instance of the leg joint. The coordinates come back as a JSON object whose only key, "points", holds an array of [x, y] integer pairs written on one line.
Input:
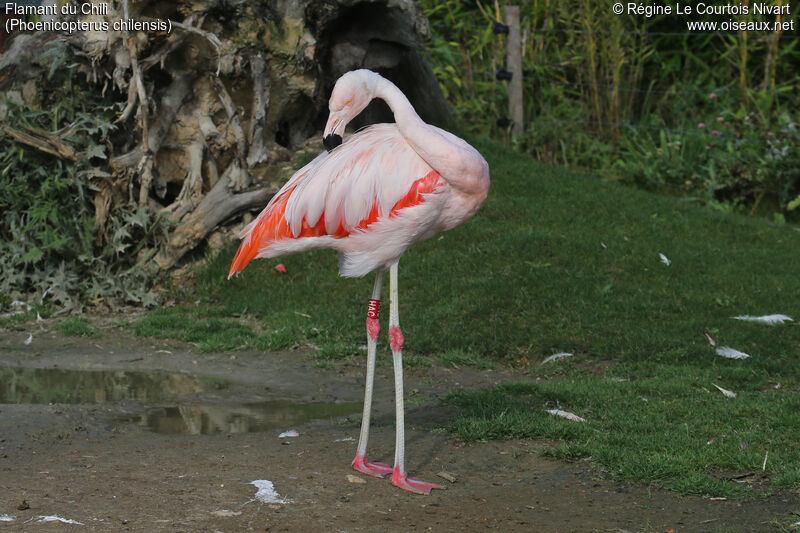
{"points": [[396, 340], [373, 328]]}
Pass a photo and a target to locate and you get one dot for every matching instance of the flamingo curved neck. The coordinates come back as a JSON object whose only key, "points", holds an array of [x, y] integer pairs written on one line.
{"points": [[455, 160], [404, 114], [426, 140]]}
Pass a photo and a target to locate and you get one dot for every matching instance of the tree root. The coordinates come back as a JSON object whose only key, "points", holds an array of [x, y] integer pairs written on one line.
{"points": [[218, 205]]}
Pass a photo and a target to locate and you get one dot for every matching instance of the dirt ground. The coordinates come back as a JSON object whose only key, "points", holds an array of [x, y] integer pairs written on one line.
{"points": [[93, 463]]}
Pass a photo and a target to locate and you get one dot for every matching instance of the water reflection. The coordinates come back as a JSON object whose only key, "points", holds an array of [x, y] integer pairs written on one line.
{"points": [[53, 385], [239, 418], [176, 404]]}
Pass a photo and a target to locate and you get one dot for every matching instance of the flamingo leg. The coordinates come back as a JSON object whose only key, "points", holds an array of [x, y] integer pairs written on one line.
{"points": [[360, 463], [399, 476]]}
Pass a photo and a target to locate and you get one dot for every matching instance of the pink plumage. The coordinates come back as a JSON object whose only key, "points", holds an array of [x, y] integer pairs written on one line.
{"points": [[370, 198]]}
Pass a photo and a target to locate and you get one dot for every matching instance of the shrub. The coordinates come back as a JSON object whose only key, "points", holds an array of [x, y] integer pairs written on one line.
{"points": [[49, 250], [725, 154], [622, 96]]}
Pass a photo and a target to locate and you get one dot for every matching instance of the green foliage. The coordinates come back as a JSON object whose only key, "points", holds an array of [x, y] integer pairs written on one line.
{"points": [[77, 327], [48, 246], [622, 96], [733, 156], [463, 49]]}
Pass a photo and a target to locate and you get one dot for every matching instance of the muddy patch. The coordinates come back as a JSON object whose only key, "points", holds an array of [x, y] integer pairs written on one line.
{"points": [[125, 434]]}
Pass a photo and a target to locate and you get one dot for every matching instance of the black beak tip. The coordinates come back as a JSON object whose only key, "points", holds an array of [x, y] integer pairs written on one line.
{"points": [[331, 141]]}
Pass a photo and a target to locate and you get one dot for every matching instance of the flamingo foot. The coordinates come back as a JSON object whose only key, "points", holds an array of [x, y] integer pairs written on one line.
{"points": [[361, 464], [401, 479]]}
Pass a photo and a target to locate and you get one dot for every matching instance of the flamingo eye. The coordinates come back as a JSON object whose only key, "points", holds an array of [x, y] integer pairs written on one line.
{"points": [[348, 103]]}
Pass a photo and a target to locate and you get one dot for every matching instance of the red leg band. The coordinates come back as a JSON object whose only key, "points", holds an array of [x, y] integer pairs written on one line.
{"points": [[373, 308], [373, 311]]}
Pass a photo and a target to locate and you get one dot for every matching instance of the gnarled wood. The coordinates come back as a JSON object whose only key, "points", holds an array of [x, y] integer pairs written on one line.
{"points": [[257, 152], [42, 141], [243, 180], [218, 205], [173, 98], [238, 86]]}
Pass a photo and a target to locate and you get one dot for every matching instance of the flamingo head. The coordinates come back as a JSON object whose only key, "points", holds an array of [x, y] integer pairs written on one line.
{"points": [[351, 94]]}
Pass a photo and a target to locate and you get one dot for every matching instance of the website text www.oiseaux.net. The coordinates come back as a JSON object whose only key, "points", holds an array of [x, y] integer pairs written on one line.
{"points": [[782, 21]]}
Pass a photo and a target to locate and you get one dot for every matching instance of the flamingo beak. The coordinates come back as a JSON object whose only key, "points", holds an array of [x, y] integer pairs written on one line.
{"points": [[332, 137]]}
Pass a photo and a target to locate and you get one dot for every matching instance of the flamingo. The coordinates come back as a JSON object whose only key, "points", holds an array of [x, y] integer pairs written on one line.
{"points": [[370, 198]]}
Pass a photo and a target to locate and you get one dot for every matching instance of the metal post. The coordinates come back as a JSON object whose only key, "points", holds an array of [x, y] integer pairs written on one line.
{"points": [[514, 65]]}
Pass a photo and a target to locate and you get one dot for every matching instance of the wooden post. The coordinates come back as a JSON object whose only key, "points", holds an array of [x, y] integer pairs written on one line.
{"points": [[514, 65]]}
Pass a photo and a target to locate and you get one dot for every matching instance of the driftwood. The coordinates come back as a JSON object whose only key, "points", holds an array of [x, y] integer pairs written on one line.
{"points": [[257, 153], [172, 100], [42, 141], [217, 206], [238, 132], [211, 112]]}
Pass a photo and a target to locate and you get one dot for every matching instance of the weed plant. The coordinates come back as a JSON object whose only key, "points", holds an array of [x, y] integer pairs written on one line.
{"points": [[48, 250]]}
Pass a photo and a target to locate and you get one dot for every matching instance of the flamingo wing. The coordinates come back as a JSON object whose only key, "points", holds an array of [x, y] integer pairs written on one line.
{"points": [[372, 175]]}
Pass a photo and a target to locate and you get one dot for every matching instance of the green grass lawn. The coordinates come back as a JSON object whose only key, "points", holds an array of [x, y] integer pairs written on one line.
{"points": [[557, 261]]}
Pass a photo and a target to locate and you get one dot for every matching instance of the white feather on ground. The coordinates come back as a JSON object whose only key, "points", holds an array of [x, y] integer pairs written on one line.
{"points": [[266, 492], [770, 320], [727, 393], [54, 518], [556, 357], [664, 259], [730, 353], [565, 414]]}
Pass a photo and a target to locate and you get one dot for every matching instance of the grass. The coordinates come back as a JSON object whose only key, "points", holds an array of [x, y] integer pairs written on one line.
{"points": [[558, 261], [668, 426], [211, 329], [77, 327], [530, 274]]}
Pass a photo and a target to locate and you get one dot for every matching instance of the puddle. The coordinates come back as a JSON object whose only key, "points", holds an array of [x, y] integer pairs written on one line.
{"points": [[192, 419], [54, 385], [177, 404]]}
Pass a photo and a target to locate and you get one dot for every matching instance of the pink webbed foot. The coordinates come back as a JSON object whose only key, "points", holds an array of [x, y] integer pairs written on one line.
{"points": [[361, 464], [401, 479]]}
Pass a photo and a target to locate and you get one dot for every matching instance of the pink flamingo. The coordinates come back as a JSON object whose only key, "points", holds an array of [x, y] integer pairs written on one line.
{"points": [[370, 198]]}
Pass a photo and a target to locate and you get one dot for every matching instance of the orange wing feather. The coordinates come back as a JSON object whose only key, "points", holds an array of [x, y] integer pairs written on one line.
{"points": [[271, 224]]}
